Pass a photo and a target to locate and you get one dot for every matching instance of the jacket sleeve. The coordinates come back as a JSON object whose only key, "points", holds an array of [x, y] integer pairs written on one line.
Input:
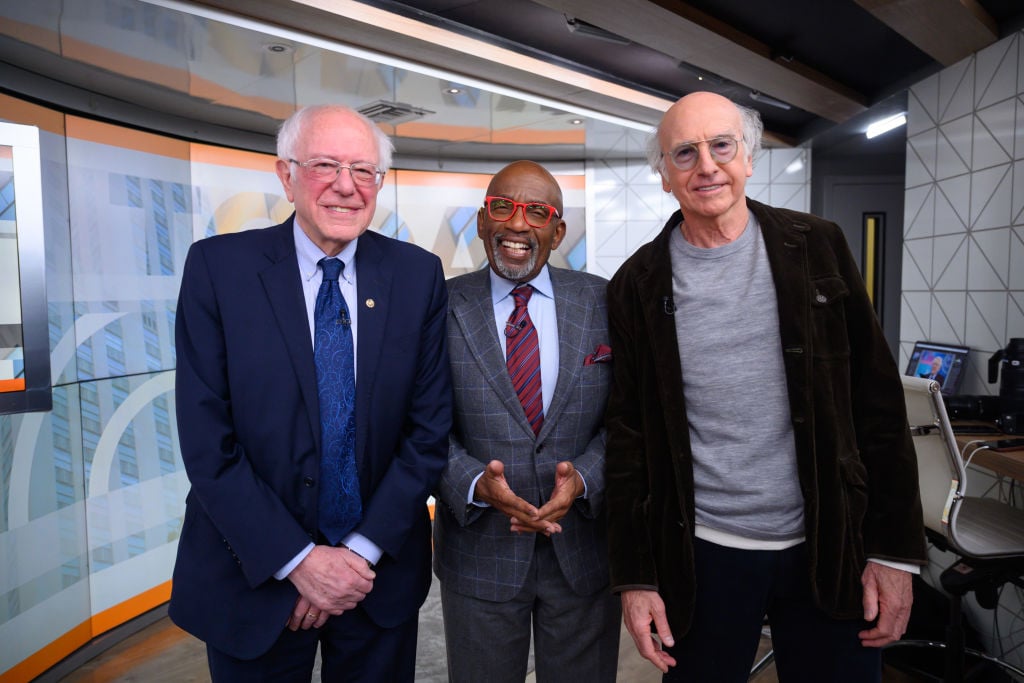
{"points": [[262, 534], [458, 476], [627, 494], [893, 526]]}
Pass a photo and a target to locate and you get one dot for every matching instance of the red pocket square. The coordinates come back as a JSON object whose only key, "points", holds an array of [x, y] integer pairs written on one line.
{"points": [[602, 354]]}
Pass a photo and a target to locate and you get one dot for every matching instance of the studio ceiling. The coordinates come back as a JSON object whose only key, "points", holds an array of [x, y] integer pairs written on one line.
{"points": [[230, 70], [828, 60]]}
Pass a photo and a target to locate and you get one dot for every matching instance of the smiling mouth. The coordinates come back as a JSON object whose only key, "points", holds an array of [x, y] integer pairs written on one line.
{"points": [[517, 247]]}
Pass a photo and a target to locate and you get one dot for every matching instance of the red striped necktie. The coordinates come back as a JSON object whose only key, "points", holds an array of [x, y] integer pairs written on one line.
{"points": [[523, 357]]}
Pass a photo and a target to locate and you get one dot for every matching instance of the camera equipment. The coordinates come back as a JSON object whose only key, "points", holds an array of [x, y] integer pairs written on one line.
{"points": [[972, 407], [1009, 361]]}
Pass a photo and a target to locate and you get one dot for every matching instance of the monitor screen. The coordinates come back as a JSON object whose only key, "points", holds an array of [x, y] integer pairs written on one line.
{"points": [[944, 363]]}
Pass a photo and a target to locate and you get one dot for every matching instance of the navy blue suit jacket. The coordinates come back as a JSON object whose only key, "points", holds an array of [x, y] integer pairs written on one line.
{"points": [[249, 427]]}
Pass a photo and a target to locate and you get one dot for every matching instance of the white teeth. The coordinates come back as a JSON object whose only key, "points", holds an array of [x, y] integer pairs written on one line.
{"points": [[516, 246], [339, 209]]}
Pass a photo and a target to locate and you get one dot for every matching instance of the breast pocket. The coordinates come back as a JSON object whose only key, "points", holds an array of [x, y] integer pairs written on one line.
{"points": [[830, 336]]}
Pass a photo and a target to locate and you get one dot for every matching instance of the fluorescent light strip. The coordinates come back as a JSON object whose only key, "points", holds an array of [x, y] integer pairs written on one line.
{"points": [[349, 9], [885, 125]]}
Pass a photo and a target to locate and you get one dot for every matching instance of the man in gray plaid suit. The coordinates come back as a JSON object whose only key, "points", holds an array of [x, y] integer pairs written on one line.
{"points": [[519, 533]]}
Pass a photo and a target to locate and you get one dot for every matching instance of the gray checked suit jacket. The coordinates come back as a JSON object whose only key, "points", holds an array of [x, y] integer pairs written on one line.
{"points": [[475, 554]]}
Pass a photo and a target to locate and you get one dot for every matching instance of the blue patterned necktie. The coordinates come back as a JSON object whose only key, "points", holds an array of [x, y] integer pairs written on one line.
{"points": [[522, 355], [340, 507]]}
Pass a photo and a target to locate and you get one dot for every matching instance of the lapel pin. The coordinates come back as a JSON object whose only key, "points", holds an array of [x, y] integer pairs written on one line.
{"points": [[370, 303]]}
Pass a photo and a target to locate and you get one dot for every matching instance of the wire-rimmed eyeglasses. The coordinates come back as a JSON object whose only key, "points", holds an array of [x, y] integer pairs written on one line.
{"points": [[537, 214], [327, 171], [722, 150]]}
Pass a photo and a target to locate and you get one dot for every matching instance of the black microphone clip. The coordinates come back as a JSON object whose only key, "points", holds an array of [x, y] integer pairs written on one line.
{"points": [[667, 305]]}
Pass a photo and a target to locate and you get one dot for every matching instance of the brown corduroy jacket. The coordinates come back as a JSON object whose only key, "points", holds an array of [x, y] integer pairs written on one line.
{"points": [[855, 457]]}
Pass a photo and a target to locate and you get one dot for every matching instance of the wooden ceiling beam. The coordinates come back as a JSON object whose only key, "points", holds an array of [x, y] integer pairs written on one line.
{"points": [[689, 35], [945, 30]]}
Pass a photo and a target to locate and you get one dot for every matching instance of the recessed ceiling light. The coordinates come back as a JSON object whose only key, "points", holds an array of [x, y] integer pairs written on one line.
{"points": [[279, 48], [453, 91], [576, 122]]}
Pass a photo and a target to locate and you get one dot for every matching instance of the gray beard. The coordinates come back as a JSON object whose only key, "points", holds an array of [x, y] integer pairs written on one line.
{"points": [[509, 272]]}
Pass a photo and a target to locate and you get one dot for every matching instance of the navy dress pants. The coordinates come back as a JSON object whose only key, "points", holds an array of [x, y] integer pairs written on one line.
{"points": [[353, 649]]}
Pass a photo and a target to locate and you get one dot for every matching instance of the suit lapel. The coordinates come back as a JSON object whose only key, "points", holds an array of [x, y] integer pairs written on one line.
{"points": [[473, 312], [572, 320], [282, 285], [373, 284], [786, 245]]}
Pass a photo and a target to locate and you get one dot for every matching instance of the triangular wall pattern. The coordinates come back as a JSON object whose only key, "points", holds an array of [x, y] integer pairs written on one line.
{"points": [[963, 259]]}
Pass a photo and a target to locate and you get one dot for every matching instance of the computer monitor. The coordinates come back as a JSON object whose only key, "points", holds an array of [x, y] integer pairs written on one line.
{"points": [[944, 363]]}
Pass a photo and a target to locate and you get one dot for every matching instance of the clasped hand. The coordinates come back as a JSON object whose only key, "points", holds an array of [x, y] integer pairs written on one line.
{"points": [[330, 581], [493, 489]]}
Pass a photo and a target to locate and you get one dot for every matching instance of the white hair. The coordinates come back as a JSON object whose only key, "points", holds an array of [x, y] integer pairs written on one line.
{"points": [[291, 130]]}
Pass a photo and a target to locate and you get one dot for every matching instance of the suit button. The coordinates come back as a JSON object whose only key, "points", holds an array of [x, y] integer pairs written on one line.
{"points": [[309, 481]]}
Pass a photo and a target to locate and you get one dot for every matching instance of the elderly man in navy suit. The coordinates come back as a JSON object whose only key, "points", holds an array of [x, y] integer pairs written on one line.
{"points": [[520, 534], [314, 406]]}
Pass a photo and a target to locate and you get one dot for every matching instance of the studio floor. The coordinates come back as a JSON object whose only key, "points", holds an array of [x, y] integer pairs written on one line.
{"points": [[163, 653]]}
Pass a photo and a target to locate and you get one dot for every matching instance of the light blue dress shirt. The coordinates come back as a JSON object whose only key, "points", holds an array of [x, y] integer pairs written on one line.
{"points": [[309, 256], [542, 313]]}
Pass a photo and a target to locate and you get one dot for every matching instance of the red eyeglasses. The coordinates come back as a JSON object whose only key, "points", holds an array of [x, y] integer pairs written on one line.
{"points": [[537, 214]]}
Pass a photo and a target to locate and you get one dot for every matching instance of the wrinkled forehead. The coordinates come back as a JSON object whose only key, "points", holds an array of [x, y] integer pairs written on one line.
{"points": [[337, 135]]}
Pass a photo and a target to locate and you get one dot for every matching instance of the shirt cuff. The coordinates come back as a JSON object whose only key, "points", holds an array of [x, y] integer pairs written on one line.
{"points": [[363, 547], [472, 490], [282, 573], [912, 568]]}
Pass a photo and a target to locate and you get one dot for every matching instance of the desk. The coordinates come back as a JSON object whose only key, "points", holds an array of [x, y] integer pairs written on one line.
{"points": [[1007, 463]]}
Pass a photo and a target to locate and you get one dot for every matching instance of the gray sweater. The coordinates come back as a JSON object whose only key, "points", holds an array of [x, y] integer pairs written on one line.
{"points": [[727, 327]]}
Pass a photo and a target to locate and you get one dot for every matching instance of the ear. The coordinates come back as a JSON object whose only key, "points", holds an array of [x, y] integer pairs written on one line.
{"points": [[664, 182], [284, 173], [480, 222], [556, 239]]}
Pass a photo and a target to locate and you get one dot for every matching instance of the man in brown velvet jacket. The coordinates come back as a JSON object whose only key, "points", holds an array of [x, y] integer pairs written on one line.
{"points": [[758, 459]]}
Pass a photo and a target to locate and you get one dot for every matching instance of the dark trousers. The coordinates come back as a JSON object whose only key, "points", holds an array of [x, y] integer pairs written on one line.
{"points": [[352, 648], [735, 590]]}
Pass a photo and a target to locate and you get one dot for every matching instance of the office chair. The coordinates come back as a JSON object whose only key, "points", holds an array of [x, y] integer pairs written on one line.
{"points": [[986, 534]]}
